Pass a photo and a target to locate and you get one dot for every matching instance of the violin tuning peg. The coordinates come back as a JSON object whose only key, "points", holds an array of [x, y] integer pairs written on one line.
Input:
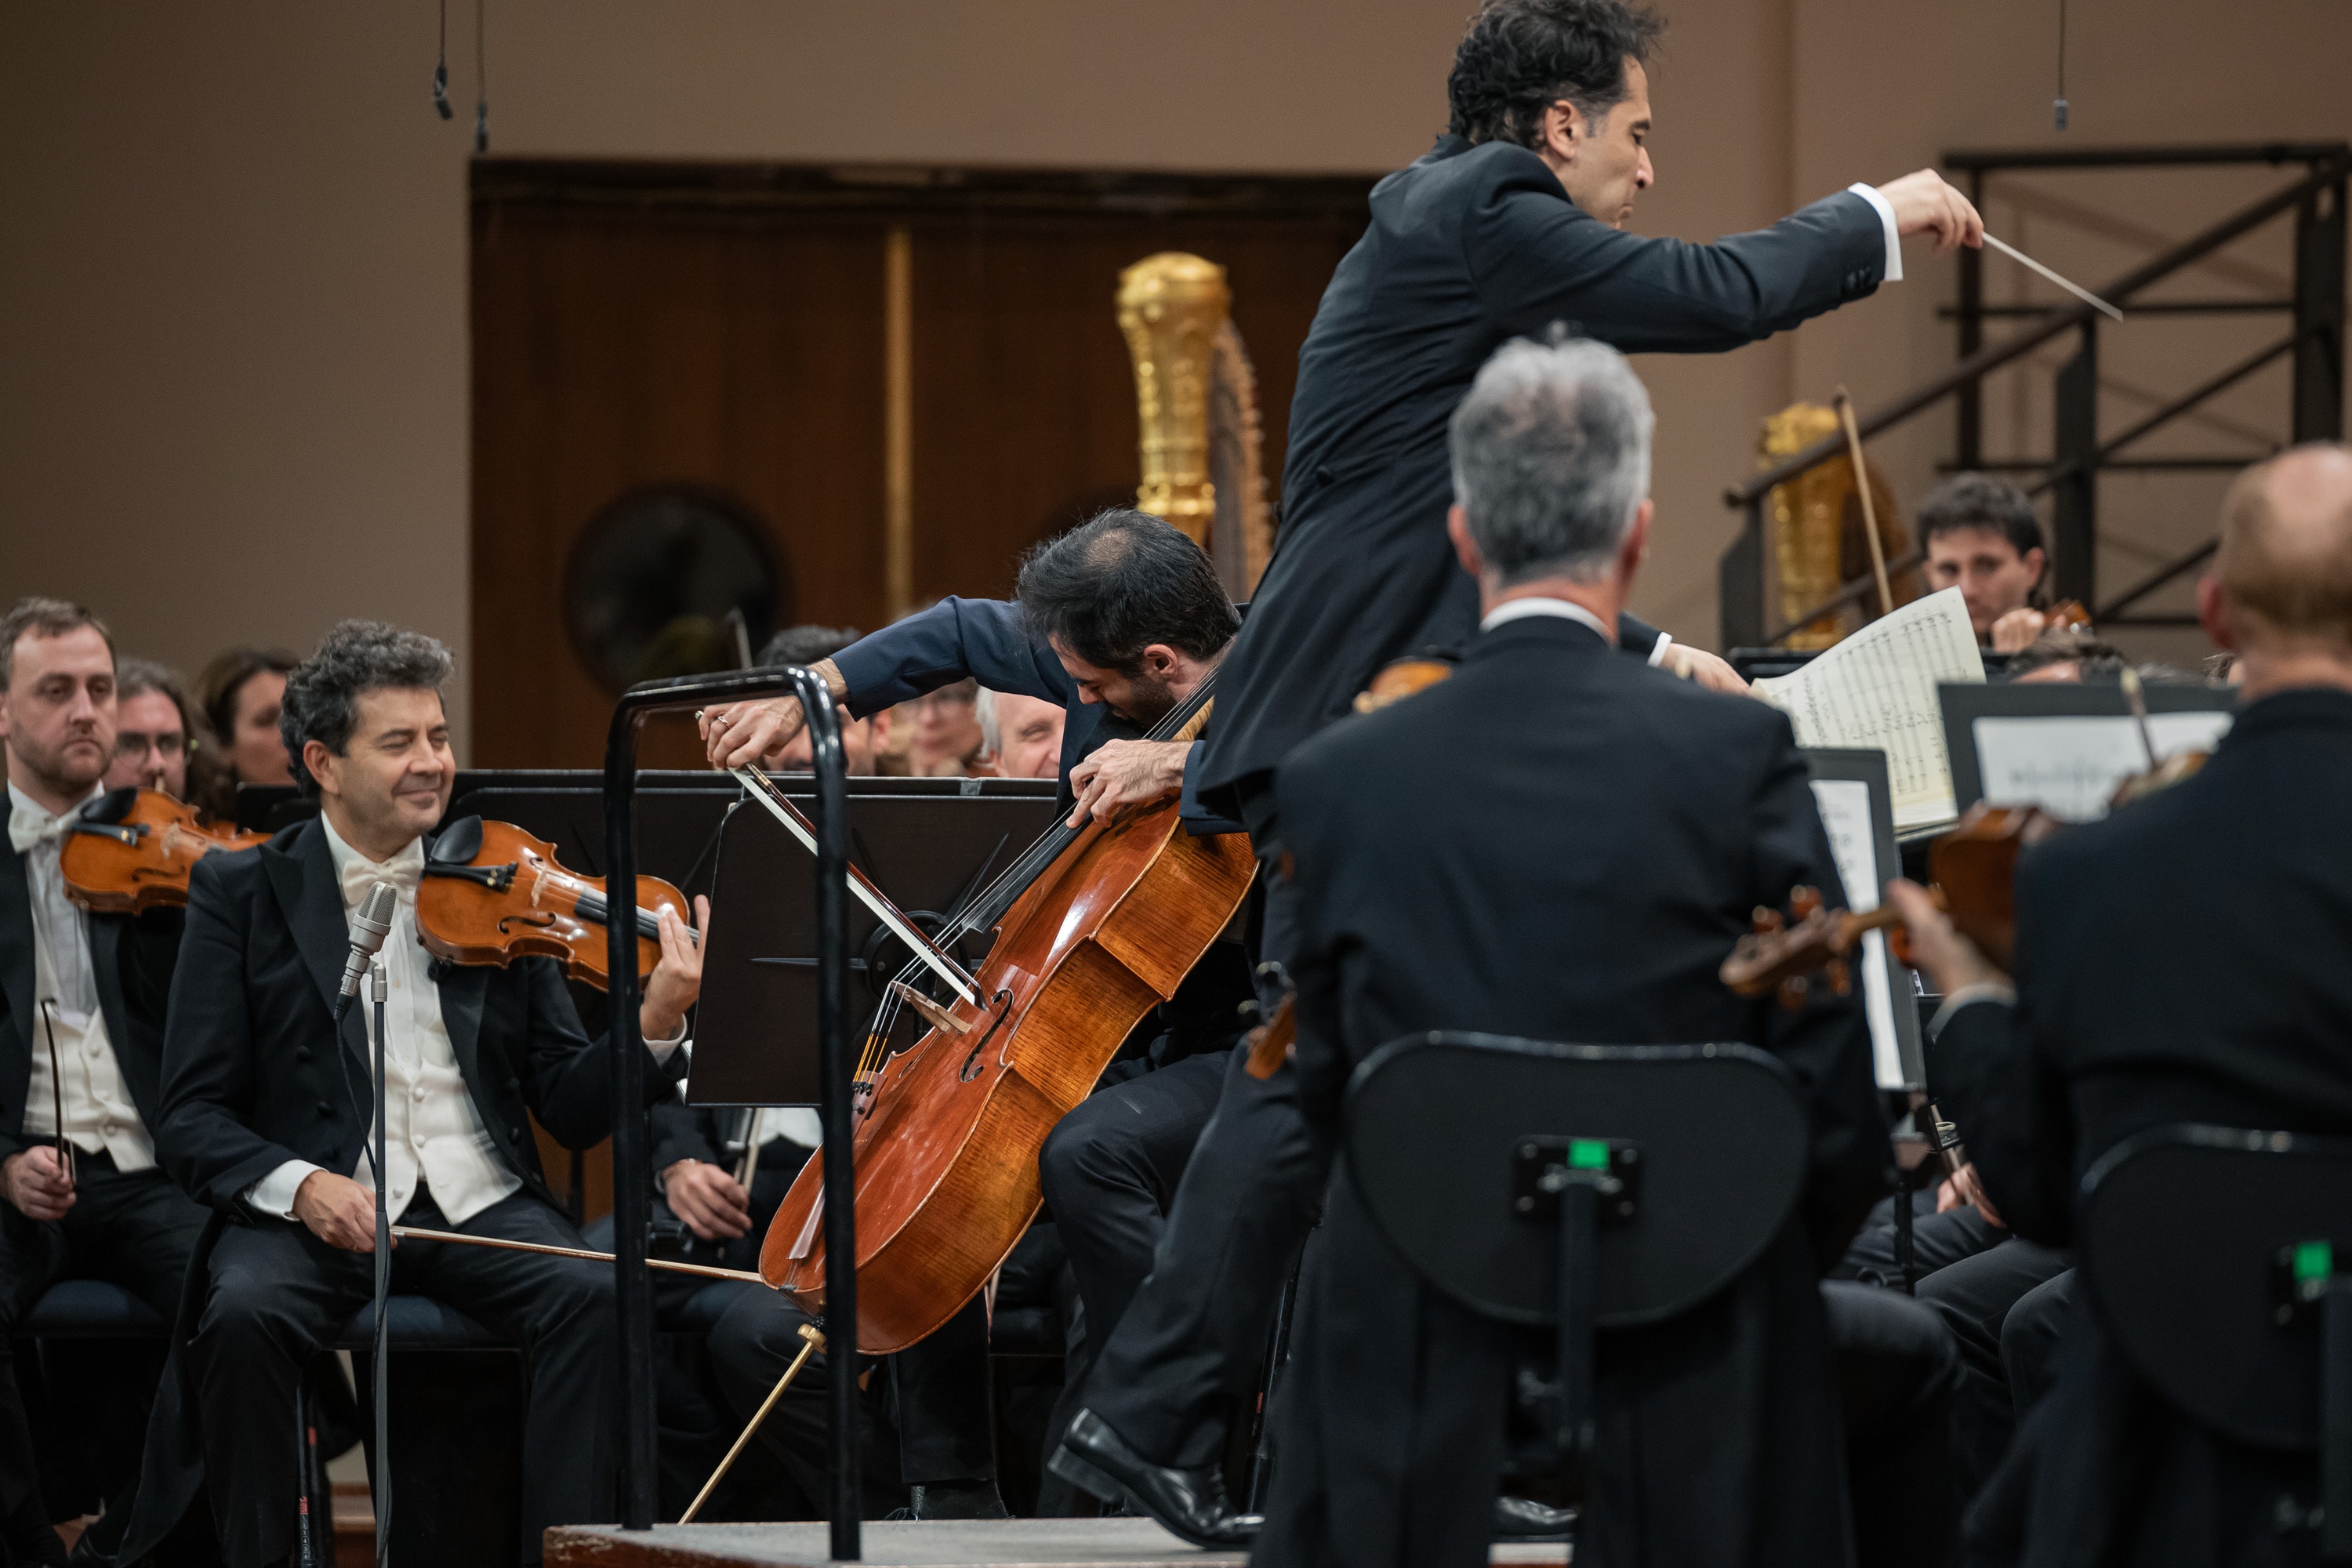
{"points": [[1766, 919], [1841, 978], [1792, 992], [1804, 902]]}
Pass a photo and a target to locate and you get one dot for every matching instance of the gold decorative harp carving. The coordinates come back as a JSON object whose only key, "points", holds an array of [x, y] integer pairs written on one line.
{"points": [[1814, 524], [1196, 412]]}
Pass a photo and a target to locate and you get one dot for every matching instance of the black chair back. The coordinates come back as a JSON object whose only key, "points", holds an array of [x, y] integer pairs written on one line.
{"points": [[1577, 1187], [1718, 1132], [2220, 1261]]}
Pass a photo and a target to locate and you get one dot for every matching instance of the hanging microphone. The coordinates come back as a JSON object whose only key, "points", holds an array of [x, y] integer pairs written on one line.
{"points": [[369, 928]]}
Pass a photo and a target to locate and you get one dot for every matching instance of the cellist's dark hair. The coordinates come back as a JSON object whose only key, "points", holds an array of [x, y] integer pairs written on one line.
{"points": [[322, 694], [1518, 57], [1119, 582]]}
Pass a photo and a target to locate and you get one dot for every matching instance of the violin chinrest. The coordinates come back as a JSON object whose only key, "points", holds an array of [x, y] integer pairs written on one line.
{"points": [[457, 844]]}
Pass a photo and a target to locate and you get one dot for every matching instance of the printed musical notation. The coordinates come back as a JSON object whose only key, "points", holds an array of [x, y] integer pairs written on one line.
{"points": [[2070, 766], [1877, 689]]}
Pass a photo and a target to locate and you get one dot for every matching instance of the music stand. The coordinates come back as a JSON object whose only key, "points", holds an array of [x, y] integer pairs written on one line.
{"points": [[926, 843], [1581, 1187], [2065, 746], [1856, 804]]}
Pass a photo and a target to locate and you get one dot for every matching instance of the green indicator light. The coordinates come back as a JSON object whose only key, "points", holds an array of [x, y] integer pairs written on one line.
{"points": [[2314, 1261], [1593, 1154]]}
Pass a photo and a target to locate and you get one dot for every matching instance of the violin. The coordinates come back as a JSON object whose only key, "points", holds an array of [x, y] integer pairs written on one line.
{"points": [[492, 893], [131, 850]]}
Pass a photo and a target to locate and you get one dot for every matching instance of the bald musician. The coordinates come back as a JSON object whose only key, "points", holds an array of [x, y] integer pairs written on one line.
{"points": [[2133, 1006]]}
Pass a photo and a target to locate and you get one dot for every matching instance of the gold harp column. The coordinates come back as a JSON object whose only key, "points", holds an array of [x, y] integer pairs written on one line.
{"points": [[1169, 308]]}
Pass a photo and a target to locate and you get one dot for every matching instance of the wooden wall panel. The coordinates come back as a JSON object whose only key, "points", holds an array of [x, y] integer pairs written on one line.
{"points": [[702, 326]]}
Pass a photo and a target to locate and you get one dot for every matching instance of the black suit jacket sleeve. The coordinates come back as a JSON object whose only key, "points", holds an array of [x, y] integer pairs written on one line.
{"points": [[2012, 1113], [205, 1139], [953, 639], [1826, 1042], [567, 1079], [683, 1133], [1537, 259]]}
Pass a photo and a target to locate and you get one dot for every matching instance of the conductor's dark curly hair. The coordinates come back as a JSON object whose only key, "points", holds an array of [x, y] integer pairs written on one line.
{"points": [[1521, 57], [321, 700]]}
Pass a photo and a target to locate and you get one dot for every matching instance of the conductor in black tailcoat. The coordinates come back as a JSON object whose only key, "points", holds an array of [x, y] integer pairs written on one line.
{"points": [[1562, 844], [2182, 960], [1514, 221], [268, 1103]]}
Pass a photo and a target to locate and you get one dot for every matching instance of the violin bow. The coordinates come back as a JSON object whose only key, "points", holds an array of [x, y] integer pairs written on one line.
{"points": [[764, 789], [57, 1096], [708, 1271]]}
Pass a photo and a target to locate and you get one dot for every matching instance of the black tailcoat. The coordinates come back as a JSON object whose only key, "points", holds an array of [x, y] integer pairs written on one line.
{"points": [[256, 1073], [2184, 959], [1468, 248], [1562, 844]]}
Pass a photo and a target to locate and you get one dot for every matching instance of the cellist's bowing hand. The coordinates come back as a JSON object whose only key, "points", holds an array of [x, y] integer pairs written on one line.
{"points": [[1950, 961], [713, 1204], [1122, 774], [743, 734], [677, 979]]}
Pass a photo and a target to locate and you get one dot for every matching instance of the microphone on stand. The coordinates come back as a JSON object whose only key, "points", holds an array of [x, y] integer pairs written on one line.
{"points": [[370, 926]]}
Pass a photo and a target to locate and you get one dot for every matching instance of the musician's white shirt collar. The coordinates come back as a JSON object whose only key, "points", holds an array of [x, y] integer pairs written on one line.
{"points": [[1537, 604]]}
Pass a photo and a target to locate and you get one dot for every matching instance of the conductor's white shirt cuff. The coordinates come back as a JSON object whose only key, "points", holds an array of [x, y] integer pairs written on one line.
{"points": [[273, 1195], [1658, 648], [1886, 222]]}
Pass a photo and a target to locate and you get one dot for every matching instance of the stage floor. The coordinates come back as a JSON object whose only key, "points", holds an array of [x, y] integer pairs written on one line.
{"points": [[995, 1543]]}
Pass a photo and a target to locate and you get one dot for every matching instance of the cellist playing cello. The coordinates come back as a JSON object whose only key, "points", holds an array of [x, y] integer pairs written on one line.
{"points": [[1119, 621]]}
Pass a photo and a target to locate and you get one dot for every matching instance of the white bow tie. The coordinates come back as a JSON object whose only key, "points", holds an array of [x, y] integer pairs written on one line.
{"points": [[30, 825], [404, 871]]}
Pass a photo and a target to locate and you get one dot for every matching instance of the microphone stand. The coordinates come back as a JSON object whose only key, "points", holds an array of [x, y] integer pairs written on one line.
{"points": [[378, 990]]}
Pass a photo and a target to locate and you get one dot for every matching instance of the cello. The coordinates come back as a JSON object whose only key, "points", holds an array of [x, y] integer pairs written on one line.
{"points": [[1096, 925]]}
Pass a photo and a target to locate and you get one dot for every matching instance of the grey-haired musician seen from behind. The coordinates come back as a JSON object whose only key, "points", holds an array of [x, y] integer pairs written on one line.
{"points": [[268, 1103]]}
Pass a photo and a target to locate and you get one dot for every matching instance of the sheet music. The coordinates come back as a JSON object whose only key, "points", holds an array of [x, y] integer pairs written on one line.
{"points": [[1845, 816], [1876, 690], [2070, 766]]}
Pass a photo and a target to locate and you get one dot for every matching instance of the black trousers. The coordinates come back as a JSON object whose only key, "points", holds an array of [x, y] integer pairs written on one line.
{"points": [[1976, 1297], [1196, 1330], [1111, 1170], [1897, 1372], [278, 1294], [938, 1398], [1938, 1241], [134, 1229]]}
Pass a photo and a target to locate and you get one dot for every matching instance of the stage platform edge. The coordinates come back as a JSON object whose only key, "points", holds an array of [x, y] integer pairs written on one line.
{"points": [[946, 1543]]}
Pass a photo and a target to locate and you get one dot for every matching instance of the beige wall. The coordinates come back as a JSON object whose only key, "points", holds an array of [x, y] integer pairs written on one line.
{"points": [[233, 375]]}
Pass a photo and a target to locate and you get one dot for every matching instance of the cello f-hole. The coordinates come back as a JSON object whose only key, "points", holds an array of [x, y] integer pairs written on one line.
{"points": [[1003, 1003]]}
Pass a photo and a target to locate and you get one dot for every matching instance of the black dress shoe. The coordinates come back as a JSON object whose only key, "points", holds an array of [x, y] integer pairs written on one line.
{"points": [[1517, 1519], [958, 1500], [1190, 1503]]}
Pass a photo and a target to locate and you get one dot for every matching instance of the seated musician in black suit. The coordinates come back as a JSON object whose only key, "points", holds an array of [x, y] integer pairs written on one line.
{"points": [[1559, 844], [81, 1037], [2180, 960], [268, 1107], [1118, 622]]}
